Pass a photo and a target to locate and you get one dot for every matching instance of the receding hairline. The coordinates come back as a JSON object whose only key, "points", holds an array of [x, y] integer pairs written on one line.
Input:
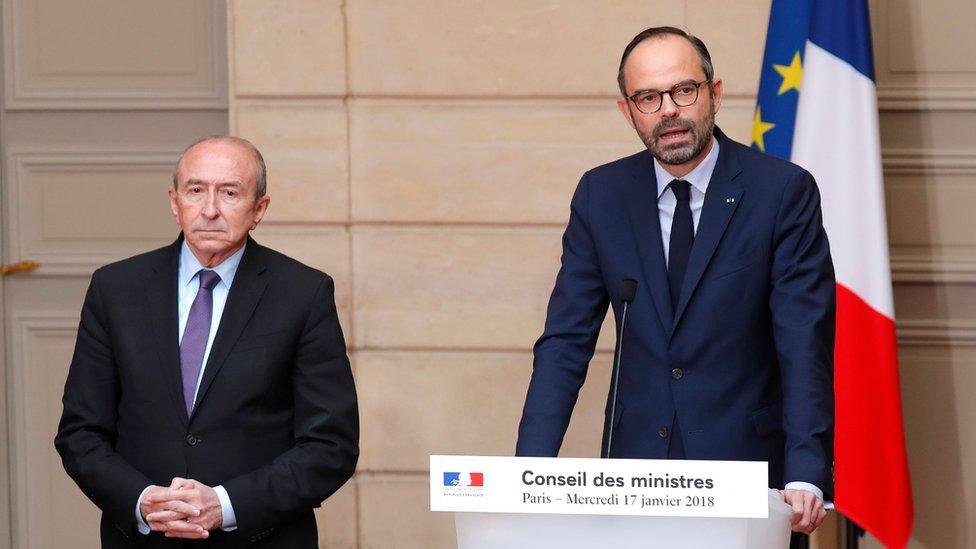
{"points": [[260, 178], [660, 33], [658, 38]]}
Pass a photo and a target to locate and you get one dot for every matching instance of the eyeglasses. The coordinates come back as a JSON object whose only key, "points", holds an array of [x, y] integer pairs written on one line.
{"points": [[683, 95]]}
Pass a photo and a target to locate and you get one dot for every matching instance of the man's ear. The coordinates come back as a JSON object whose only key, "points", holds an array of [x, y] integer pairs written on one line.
{"points": [[173, 204], [260, 209], [624, 105], [717, 94]]}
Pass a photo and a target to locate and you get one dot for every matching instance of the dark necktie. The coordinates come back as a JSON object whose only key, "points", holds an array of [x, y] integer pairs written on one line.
{"points": [[682, 237], [195, 336]]}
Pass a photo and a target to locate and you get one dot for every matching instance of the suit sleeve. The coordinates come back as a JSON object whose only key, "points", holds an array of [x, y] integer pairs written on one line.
{"points": [[87, 431], [326, 427], [576, 311], [802, 304]]}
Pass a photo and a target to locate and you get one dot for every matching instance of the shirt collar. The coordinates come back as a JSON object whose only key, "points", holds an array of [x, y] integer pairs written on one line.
{"points": [[698, 177], [190, 265]]}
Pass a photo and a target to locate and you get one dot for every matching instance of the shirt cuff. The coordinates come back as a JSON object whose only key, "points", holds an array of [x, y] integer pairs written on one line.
{"points": [[140, 522], [807, 487], [228, 518]]}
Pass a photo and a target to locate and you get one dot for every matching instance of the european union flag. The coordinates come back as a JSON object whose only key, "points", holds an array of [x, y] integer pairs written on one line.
{"points": [[781, 77]]}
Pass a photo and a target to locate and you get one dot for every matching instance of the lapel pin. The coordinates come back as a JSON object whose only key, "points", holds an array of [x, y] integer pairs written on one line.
{"points": [[730, 200]]}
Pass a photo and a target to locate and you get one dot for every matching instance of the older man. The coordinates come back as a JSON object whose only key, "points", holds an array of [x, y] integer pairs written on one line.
{"points": [[210, 396], [728, 347]]}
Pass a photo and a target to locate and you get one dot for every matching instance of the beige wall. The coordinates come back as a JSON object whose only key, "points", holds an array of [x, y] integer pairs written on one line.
{"points": [[425, 153]]}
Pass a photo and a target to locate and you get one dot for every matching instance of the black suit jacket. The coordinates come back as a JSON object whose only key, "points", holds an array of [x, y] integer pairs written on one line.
{"points": [[276, 420]]}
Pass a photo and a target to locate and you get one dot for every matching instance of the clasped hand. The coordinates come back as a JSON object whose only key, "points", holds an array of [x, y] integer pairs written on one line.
{"points": [[186, 509]]}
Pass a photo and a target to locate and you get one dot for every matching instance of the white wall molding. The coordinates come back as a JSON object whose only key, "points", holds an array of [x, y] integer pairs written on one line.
{"points": [[928, 161], [916, 97], [909, 263], [941, 333], [75, 257], [33, 87]]}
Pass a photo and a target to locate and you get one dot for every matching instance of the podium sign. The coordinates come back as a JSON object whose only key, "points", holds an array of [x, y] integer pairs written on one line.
{"points": [[666, 488]]}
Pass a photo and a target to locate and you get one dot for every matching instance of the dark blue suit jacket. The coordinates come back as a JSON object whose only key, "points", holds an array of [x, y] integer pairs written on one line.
{"points": [[752, 333]]}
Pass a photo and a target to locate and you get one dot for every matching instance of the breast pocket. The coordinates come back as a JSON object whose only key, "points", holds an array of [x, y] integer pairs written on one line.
{"points": [[261, 356], [735, 264], [252, 342]]}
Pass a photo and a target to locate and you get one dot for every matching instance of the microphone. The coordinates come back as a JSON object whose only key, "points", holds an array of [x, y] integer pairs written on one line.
{"points": [[628, 290]]}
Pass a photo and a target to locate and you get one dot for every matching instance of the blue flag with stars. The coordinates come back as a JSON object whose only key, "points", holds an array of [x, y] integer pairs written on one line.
{"points": [[781, 76]]}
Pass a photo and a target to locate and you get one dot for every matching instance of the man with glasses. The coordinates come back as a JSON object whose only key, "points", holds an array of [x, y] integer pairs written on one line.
{"points": [[727, 352]]}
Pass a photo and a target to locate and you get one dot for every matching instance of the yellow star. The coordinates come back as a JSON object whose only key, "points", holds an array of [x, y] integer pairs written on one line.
{"points": [[759, 128], [792, 75]]}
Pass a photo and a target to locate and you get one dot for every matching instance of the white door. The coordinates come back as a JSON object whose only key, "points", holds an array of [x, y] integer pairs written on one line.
{"points": [[99, 98]]}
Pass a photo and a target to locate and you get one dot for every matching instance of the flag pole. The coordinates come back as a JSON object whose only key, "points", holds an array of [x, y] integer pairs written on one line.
{"points": [[852, 534]]}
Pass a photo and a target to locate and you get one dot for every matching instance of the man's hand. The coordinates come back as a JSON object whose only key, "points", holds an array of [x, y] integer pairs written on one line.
{"points": [[187, 509], [808, 510], [163, 510]]}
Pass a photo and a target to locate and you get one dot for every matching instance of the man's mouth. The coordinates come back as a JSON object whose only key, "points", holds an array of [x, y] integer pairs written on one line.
{"points": [[673, 134]]}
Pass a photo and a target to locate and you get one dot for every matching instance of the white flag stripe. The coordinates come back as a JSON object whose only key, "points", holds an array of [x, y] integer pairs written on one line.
{"points": [[836, 139]]}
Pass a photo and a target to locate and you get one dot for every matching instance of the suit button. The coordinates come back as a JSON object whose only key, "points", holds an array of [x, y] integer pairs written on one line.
{"points": [[677, 374], [663, 432], [192, 440]]}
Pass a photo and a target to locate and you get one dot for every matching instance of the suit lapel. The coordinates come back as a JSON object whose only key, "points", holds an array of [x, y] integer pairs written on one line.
{"points": [[641, 198], [162, 295], [721, 200], [245, 293]]}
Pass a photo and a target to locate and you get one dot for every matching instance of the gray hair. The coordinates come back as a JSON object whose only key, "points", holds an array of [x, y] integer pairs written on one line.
{"points": [[655, 32], [261, 180]]}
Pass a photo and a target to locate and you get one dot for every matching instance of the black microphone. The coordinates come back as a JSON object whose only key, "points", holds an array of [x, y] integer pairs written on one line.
{"points": [[628, 290]]}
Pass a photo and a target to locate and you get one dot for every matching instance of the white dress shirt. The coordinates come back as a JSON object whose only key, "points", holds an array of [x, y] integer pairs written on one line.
{"points": [[698, 178], [188, 283]]}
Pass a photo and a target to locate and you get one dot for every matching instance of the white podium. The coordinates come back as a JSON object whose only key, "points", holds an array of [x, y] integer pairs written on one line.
{"points": [[538, 503], [540, 531]]}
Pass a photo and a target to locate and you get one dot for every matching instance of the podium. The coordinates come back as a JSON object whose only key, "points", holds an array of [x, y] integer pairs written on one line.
{"points": [[544, 531], [538, 503]]}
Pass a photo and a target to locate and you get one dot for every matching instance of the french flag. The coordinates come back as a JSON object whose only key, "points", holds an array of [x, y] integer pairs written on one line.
{"points": [[454, 478], [818, 107]]}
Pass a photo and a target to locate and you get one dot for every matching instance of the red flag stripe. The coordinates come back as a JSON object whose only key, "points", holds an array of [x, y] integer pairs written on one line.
{"points": [[873, 486]]}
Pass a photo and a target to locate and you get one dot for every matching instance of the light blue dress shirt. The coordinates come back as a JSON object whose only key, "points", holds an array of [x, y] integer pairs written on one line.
{"points": [[188, 283], [698, 178]]}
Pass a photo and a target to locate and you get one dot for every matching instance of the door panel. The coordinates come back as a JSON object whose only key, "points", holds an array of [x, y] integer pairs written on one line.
{"points": [[94, 116]]}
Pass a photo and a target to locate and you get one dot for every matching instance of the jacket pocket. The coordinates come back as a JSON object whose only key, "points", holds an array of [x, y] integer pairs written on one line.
{"points": [[739, 263], [769, 419], [249, 342]]}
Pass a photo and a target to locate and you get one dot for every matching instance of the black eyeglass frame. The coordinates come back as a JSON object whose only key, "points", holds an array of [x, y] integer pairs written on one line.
{"points": [[669, 93]]}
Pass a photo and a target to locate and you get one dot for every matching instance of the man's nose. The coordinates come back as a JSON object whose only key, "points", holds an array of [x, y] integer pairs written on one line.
{"points": [[210, 208], [668, 108]]}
